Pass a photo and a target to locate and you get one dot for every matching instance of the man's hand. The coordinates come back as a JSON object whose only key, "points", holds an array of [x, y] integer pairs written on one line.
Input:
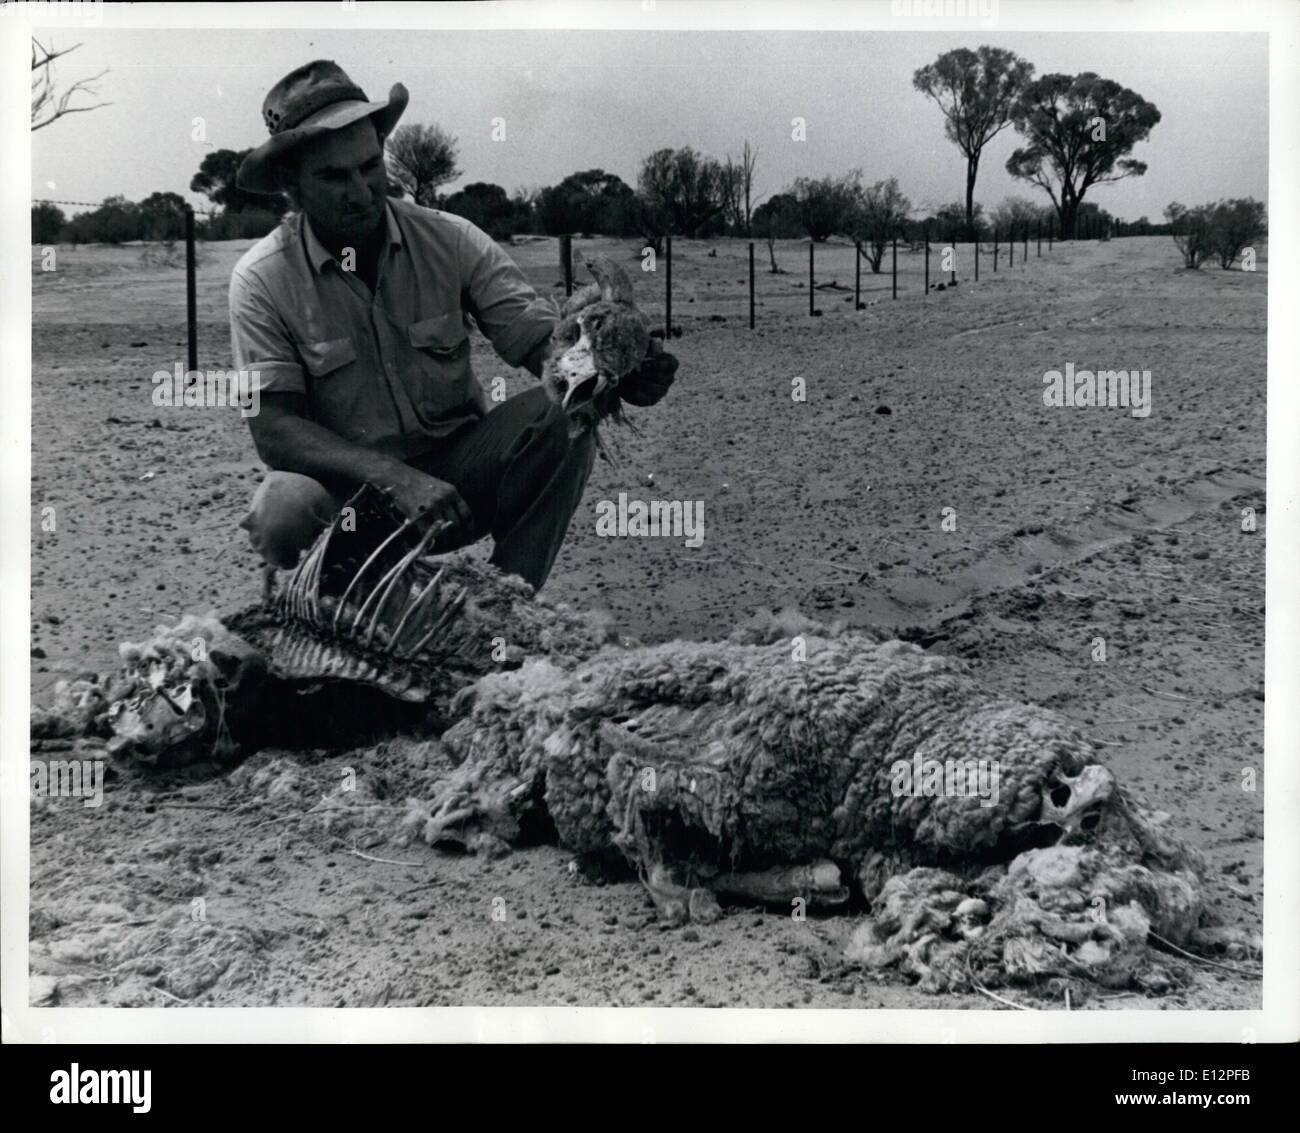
{"points": [[426, 499], [648, 385]]}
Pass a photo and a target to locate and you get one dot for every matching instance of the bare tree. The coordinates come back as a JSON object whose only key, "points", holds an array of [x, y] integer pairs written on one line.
{"points": [[48, 105], [421, 158], [737, 186], [1192, 231], [881, 216], [976, 91]]}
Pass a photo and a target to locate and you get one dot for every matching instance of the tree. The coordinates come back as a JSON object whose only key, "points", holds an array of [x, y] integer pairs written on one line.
{"points": [[882, 214], [488, 207], [1018, 215], [1191, 231], [47, 223], [950, 222], [976, 91], [420, 159], [592, 201], [216, 181], [775, 219], [115, 221], [828, 204], [1079, 129], [737, 187], [1234, 224], [678, 191], [162, 216], [47, 104]]}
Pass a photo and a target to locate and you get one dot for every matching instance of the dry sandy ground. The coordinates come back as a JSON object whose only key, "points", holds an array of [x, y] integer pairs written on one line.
{"points": [[1072, 525]]}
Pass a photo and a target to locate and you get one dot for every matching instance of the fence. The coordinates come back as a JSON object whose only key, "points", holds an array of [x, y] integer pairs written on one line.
{"points": [[1004, 242]]}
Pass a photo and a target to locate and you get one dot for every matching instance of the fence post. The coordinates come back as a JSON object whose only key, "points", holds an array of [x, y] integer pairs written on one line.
{"points": [[191, 305], [927, 261], [668, 288], [1024, 251], [1011, 245], [857, 274], [1051, 224], [811, 296], [995, 248], [895, 270], [751, 285], [1040, 238], [977, 255], [566, 263]]}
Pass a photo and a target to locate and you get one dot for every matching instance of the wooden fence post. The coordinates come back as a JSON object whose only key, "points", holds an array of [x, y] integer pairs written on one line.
{"points": [[857, 274], [977, 255], [895, 267], [927, 261], [566, 263], [811, 295], [751, 285], [995, 248], [191, 305], [668, 288]]}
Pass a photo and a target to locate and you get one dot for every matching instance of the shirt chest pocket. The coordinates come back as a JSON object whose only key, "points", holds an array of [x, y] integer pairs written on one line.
{"points": [[333, 391], [438, 376]]}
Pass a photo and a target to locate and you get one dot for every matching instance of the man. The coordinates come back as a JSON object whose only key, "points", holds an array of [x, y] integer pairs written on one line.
{"points": [[354, 315]]}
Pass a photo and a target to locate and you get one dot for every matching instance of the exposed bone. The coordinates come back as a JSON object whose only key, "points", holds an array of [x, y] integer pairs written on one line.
{"points": [[678, 904], [1069, 799], [411, 607], [338, 612], [818, 884], [452, 608], [384, 587]]}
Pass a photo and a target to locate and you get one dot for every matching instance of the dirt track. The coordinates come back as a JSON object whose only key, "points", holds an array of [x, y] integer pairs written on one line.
{"points": [[1072, 525]]}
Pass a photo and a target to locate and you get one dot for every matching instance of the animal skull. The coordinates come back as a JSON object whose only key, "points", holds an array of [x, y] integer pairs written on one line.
{"points": [[601, 338], [1073, 802]]}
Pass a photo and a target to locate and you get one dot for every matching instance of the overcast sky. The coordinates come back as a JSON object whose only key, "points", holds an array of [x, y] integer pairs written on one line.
{"points": [[580, 100]]}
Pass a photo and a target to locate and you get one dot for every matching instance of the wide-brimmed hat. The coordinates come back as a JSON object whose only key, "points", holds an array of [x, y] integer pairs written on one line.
{"points": [[313, 100]]}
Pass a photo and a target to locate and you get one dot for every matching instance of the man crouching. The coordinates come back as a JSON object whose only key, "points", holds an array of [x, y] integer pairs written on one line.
{"points": [[355, 317]]}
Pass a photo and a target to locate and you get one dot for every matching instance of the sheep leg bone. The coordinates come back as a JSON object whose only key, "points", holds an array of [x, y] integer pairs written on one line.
{"points": [[817, 884]]}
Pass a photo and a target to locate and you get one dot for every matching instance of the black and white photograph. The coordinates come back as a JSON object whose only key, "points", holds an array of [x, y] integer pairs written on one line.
{"points": [[714, 513]]}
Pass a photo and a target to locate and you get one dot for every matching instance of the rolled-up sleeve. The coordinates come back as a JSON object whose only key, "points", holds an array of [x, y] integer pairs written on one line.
{"points": [[515, 319], [260, 342]]}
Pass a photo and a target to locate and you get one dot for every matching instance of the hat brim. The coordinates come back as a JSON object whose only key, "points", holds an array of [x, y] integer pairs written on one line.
{"points": [[256, 171]]}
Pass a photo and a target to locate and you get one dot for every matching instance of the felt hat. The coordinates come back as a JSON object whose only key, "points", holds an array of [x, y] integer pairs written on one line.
{"points": [[315, 99]]}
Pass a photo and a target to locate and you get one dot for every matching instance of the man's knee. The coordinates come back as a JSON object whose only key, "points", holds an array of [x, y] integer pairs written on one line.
{"points": [[287, 512]]}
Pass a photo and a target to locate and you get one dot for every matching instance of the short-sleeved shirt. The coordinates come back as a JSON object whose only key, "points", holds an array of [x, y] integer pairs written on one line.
{"points": [[390, 370]]}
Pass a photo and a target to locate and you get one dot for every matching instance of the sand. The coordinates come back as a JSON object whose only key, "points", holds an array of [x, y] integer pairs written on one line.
{"points": [[1072, 525]]}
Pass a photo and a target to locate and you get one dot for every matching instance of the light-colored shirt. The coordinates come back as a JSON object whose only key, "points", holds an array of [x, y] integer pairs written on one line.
{"points": [[388, 370]]}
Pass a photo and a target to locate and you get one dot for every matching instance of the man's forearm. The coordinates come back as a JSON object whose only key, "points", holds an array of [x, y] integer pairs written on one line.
{"points": [[537, 357], [294, 444]]}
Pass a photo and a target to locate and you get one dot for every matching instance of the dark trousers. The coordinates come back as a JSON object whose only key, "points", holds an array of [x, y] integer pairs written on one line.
{"points": [[517, 469]]}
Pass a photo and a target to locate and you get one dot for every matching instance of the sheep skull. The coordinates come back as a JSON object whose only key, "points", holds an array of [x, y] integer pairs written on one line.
{"points": [[1073, 802], [601, 338]]}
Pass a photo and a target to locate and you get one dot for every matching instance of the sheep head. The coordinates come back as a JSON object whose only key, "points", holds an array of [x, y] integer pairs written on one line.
{"points": [[601, 338]]}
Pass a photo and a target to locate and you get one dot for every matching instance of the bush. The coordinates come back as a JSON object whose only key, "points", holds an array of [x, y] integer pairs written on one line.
{"points": [[1191, 232], [242, 225], [1221, 229], [1234, 224], [47, 223]]}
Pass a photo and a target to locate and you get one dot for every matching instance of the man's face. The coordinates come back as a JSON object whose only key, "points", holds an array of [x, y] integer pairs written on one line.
{"points": [[342, 182]]}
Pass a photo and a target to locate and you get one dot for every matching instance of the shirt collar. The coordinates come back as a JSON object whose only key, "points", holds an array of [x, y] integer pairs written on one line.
{"points": [[319, 255]]}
